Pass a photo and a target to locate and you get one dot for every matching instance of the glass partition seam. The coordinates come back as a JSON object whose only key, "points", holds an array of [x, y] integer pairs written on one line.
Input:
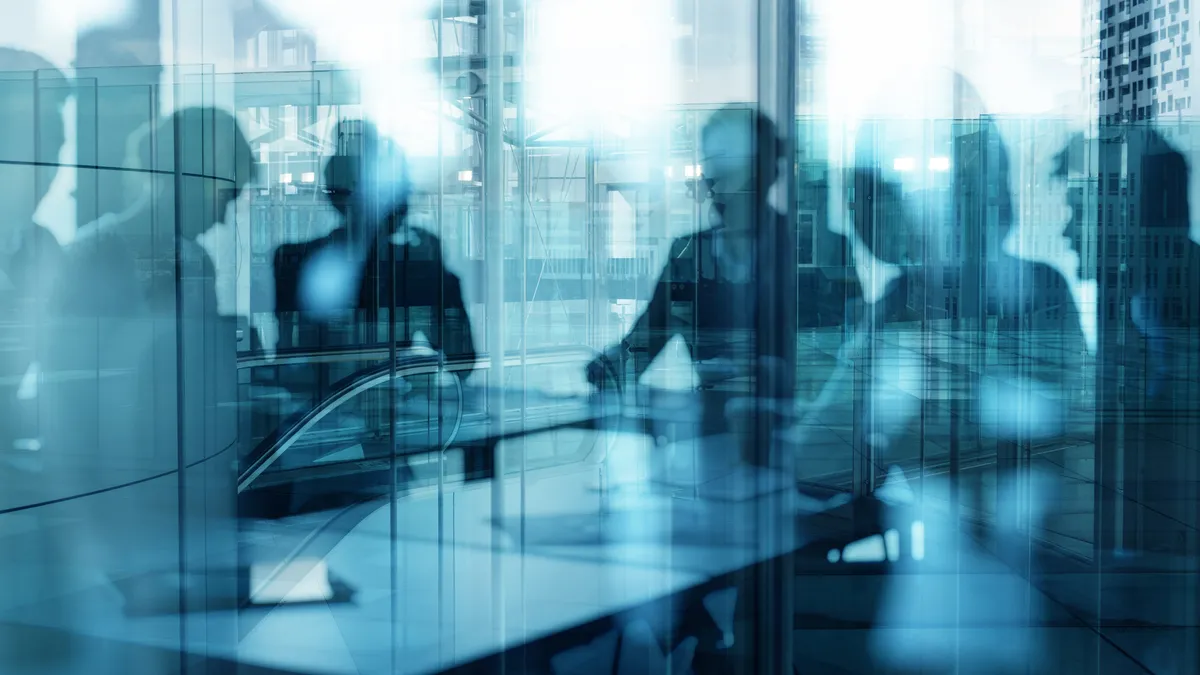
{"points": [[520, 162], [771, 586], [440, 220], [180, 419], [393, 511], [494, 183]]}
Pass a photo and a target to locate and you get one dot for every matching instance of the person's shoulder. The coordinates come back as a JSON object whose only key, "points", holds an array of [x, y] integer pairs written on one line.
{"points": [[43, 241], [95, 245], [423, 242], [682, 243], [292, 251], [1032, 281], [1042, 277]]}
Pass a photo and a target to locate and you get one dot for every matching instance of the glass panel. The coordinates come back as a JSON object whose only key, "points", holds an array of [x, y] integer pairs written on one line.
{"points": [[379, 337]]}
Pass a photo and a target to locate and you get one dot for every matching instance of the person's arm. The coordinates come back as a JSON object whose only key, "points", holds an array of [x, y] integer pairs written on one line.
{"points": [[657, 324], [285, 292], [456, 339], [653, 327]]}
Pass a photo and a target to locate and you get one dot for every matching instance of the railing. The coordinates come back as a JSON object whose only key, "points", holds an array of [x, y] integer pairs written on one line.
{"points": [[275, 446]]}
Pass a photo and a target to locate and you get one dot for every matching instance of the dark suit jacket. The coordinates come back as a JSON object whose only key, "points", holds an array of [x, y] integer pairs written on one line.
{"points": [[724, 314], [432, 295]]}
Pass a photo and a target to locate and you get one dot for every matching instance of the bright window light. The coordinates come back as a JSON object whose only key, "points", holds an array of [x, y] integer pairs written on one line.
{"points": [[592, 64], [904, 164], [939, 163], [308, 177], [691, 171], [466, 176], [669, 172], [285, 178]]}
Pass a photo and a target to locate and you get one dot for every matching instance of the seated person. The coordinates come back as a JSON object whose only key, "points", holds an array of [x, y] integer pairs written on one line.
{"points": [[717, 271]]}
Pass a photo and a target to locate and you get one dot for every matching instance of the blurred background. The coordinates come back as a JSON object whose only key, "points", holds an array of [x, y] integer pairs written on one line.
{"points": [[555, 336]]}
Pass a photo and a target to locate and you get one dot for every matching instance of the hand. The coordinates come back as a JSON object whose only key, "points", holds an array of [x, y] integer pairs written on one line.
{"points": [[608, 367]]}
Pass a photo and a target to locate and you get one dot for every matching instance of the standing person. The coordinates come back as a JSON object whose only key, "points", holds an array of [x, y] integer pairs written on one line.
{"points": [[354, 270], [933, 208], [32, 134], [1147, 275], [1147, 278], [32, 128], [343, 289], [141, 379]]}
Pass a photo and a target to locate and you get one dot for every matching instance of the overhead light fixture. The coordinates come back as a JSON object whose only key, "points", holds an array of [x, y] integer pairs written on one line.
{"points": [[285, 178], [939, 163], [904, 164]]}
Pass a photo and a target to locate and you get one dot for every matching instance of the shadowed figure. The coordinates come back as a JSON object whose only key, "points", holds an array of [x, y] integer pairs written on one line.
{"points": [[374, 281], [373, 267], [32, 96], [32, 134], [932, 184], [932, 212], [718, 271], [140, 376], [1147, 275], [1028, 398]]}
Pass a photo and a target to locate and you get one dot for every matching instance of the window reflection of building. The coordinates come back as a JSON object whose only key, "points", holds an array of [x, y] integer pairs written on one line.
{"points": [[280, 49], [1144, 59]]}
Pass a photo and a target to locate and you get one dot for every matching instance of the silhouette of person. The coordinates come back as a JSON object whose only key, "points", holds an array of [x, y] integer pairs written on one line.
{"points": [[374, 277], [33, 133], [374, 265], [932, 184], [140, 369], [898, 204], [1028, 397], [718, 269], [1147, 282], [123, 263]]}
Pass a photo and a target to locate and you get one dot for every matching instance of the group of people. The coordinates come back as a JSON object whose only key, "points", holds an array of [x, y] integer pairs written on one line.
{"points": [[118, 365], [738, 267], [87, 296]]}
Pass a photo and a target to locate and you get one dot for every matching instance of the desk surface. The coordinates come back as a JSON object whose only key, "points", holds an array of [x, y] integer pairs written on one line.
{"points": [[573, 557]]}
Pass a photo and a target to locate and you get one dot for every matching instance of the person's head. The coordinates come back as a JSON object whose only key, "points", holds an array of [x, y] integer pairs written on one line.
{"points": [[32, 132], [925, 157], [1069, 166], [1162, 187], [367, 179], [1149, 168], [736, 143], [215, 160]]}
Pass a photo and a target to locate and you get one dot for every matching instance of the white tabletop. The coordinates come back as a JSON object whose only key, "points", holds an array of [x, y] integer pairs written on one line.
{"points": [[582, 558]]}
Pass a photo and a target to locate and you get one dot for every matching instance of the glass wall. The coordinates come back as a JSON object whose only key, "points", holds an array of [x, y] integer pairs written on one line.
{"points": [[679, 336]]}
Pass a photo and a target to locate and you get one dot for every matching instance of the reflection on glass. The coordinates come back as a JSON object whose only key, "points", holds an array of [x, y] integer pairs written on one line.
{"points": [[794, 336]]}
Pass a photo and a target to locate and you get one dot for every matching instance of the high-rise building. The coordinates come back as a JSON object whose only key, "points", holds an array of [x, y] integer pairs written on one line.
{"points": [[1144, 61]]}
